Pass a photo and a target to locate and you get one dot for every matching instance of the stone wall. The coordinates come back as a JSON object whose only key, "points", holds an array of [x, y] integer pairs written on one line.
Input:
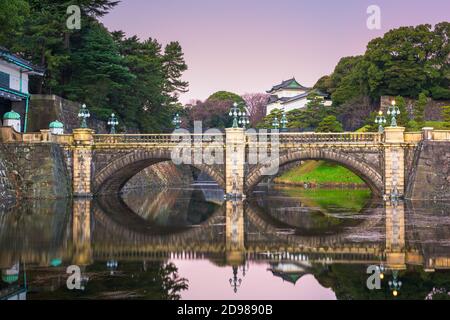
{"points": [[7, 179], [44, 109], [430, 177], [432, 109], [36, 171]]}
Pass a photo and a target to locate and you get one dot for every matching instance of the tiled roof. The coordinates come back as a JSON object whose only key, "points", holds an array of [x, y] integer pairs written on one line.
{"points": [[291, 83], [12, 58]]}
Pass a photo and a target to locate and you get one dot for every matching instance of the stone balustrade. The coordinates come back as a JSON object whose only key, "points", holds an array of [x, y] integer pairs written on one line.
{"points": [[8, 135]]}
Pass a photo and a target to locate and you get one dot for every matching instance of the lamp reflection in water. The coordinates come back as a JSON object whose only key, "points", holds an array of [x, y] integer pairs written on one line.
{"points": [[235, 282], [395, 284], [112, 266]]}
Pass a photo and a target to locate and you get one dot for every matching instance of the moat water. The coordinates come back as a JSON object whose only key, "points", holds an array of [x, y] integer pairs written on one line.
{"points": [[188, 243]]}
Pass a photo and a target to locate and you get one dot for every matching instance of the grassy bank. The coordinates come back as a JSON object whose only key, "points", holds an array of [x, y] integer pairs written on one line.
{"points": [[320, 173], [331, 199]]}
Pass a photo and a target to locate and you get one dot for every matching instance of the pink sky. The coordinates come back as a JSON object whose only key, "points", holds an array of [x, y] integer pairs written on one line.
{"points": [[248, 46], [208, 281]]}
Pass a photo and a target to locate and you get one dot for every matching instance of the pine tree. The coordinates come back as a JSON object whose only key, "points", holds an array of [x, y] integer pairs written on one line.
{"points": [[174, 66], [419, 110], [402, 118], [100, 77], [329, 124]]}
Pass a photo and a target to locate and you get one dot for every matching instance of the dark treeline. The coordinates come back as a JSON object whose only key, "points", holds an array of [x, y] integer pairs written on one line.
{"points": [[408, 62], [404, 62], [138, 80]]}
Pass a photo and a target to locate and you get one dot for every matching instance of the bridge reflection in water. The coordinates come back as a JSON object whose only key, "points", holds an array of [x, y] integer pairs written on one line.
{"points": [[180, 225]]}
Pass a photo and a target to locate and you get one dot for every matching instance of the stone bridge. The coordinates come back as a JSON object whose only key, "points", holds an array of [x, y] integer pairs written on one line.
{"points": [[238, 160]]}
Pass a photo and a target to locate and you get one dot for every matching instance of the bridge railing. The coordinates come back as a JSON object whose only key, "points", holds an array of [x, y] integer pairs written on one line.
{"points": [[441, 135], [413, 137], [312, 137], [159, 139]]}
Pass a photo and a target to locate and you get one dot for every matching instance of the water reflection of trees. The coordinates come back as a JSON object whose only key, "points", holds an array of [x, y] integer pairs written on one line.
{"points": [[314, 212], [149, 280], [349, 283]]}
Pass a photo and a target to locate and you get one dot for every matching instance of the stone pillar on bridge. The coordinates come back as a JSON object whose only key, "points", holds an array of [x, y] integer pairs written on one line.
{"points": [[394, 161], [82, 162], [395, 235], [234, 230], [235, 161]]}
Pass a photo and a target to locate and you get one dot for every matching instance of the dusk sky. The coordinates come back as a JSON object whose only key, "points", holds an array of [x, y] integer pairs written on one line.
{"points": [[249, 45]]}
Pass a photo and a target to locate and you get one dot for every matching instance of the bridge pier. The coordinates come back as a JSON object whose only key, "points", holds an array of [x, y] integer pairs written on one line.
{"points": [[395, 235], [394, 161], [234, 230], [83, 140], [235, 161], [81, 232]]}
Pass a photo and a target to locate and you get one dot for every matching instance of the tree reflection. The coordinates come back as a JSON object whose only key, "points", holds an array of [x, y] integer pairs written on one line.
{"points": [[155, 280]]}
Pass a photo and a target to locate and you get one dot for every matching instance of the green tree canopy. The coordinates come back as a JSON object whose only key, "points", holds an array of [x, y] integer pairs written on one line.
{"points": [[137, 80], [329, 124], [226, 96]]}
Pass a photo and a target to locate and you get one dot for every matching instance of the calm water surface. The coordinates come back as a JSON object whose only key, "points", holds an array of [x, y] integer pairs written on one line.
{"points": [[282, 243]]}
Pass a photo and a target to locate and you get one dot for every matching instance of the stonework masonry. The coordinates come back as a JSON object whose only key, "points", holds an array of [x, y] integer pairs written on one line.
{"points": [[36, 171], [430, 179]]}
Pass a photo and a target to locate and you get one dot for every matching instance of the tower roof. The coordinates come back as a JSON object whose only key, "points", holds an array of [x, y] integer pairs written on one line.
{"points": [[56, 125], [288, 84], [11, 115]]}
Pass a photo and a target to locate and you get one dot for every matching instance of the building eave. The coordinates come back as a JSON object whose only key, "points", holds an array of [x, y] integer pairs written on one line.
{"points": [[23, 64], [11, 94]]}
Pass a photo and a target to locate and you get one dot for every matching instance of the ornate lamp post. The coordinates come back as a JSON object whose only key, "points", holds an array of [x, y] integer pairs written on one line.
{"points": [[176, 121], [284, 121], [235, 113], [244, 121], [113, 122], [395, 284], [275, 123], [235, 282], [393, 111], [83, 114], [380, 120]]}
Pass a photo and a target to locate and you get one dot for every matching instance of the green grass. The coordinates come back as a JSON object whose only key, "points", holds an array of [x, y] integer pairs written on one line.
{"points": [[437, 125], [330, 199], [320, 173]]}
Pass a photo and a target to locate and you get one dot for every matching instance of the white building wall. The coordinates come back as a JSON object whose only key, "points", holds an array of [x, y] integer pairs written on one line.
{"points": [[288, 93], [14, 76], [297, 104], [12, 123], [272, 106]]}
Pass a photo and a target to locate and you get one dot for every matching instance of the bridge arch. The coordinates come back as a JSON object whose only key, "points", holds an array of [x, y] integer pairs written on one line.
{"points": [[118, 172], [125, 226], [366, 172], [371, 214]]}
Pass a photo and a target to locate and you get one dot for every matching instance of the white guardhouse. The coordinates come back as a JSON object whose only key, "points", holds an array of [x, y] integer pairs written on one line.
{"points": [[14, 77]]}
